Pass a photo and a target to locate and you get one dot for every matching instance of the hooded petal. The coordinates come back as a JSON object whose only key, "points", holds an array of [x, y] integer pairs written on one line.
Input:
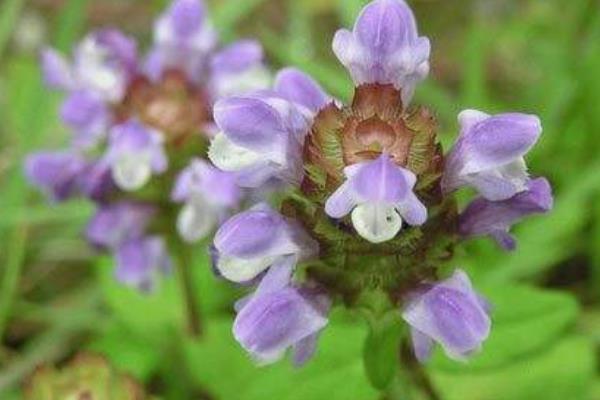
{"points": [[489, 153], [279, 318], [56, 70], [259, 232], [296, 86], [384, 47], [451, 314], [249, 122]]}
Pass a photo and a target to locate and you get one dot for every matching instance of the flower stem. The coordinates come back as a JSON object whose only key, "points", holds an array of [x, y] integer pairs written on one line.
{"points": [[416, 373], [192, 310]]}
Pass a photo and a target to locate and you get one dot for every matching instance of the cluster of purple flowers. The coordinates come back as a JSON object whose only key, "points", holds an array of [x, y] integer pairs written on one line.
{"points": [[371, 177], [367, 194], [134, 119]]}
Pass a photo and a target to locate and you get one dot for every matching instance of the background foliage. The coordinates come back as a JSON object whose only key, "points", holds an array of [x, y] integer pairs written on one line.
{"points": [[57, 297]]}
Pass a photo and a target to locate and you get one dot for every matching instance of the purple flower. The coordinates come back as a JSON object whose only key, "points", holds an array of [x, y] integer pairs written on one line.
{"points": [[279, 316], [88, 116], [249, 243], [488, 154], [238, 69], [261, 138], [182, 39], [115, 224], [135, 152], [294, 85], [495, 218], [207, 194], [104, 63], [56, 173], [379, 194], [140, 262], [385, 47], [450, 313]]}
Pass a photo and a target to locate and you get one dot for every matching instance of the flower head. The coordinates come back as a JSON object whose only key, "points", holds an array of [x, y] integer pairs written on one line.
{"points": [[207, 194]]}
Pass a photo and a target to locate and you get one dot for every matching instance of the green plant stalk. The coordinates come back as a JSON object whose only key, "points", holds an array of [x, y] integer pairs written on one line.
{"points": [[183, 264], [10, 277]]}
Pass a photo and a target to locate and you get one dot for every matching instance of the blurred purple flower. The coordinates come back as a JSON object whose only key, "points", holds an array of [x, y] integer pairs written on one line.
{"points": [[208, 194], [135, 152], [140, 262], [56, 173], [115, 224], [88, 115]]}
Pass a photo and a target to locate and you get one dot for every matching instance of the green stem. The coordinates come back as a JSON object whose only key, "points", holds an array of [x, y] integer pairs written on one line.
{"points": [[188, 290], [10, 278], [416, 373]]}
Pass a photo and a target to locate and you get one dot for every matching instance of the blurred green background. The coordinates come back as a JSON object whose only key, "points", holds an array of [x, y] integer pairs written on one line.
{"points": [[540, 56]]}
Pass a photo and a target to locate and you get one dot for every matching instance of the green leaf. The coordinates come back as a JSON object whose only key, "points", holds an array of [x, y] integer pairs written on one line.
{"points": [[145, 315], [381, 351], [231, 374], [564, 371], [524, 321]]}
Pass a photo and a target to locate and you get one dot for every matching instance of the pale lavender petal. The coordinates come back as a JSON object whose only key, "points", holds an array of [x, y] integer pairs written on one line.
{"points": [[56, 173], [278, 277], [305, 349], [451, 314], [186, 16], [381, 181], [249, 122], [270, 324], [341, 202], [238, 57], [57, 72], [484, 217], [251, 234], [422, 345], [499, 140], [88, 115], [300, 88]]}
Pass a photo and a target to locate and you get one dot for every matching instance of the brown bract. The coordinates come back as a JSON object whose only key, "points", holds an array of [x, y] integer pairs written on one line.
{"points": [[375, 123], [172, 105]]}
